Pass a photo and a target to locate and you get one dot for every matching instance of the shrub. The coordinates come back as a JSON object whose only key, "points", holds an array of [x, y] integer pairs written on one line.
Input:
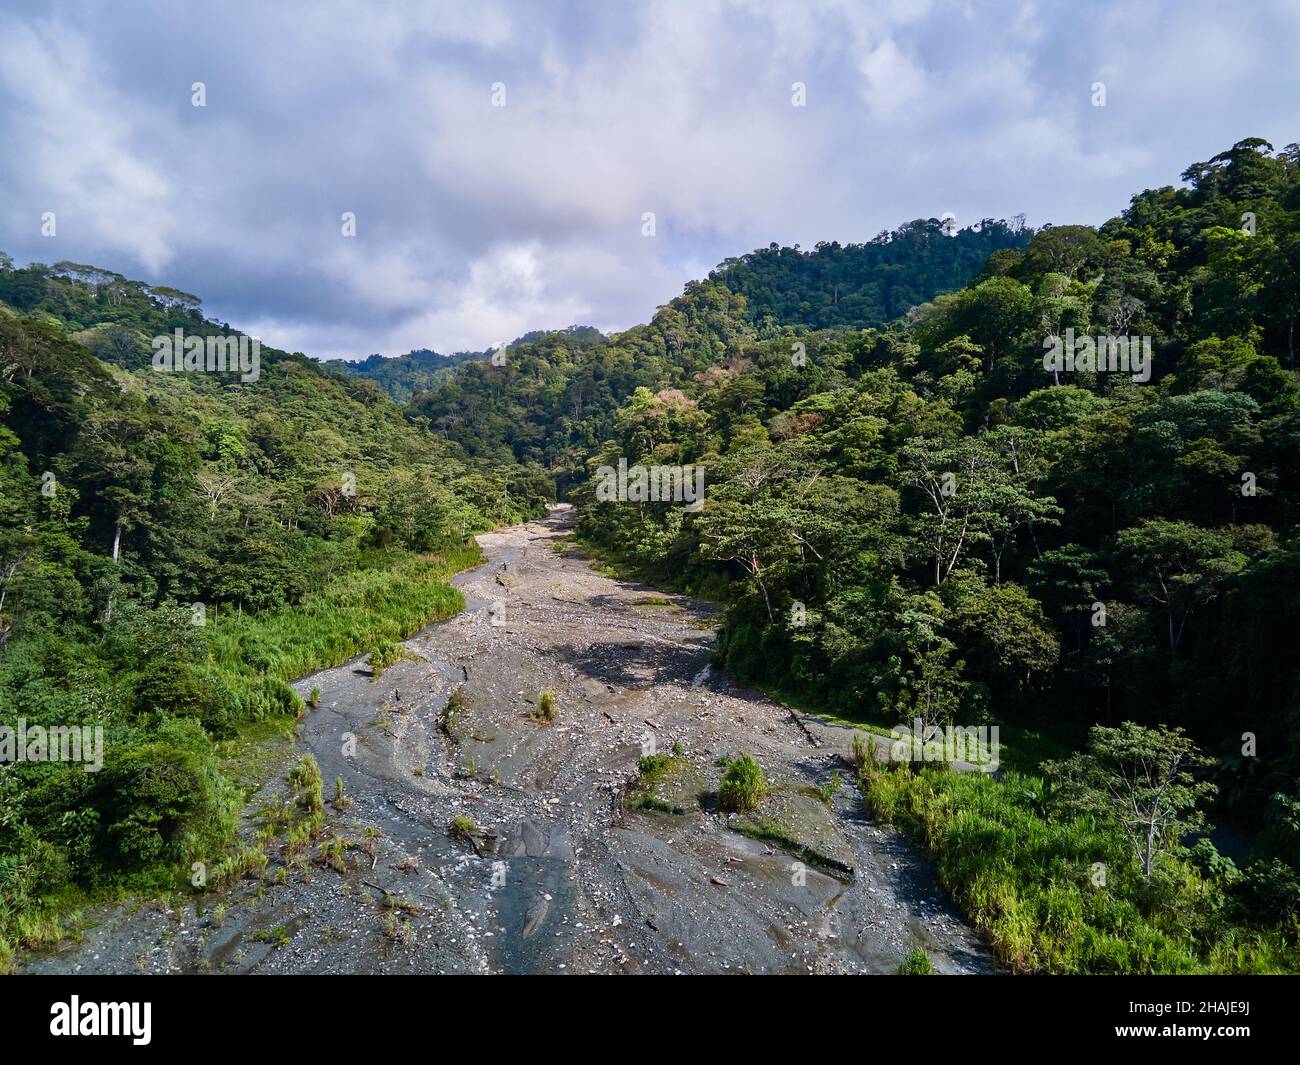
{"points": [[449, 719], [1027, 880], [306, 781], [384, 656], [545, 711], [164, 800], [917, 963], [743, 785]]}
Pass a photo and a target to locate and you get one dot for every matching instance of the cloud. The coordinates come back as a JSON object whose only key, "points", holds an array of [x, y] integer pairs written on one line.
{"points": [[476, 223]]}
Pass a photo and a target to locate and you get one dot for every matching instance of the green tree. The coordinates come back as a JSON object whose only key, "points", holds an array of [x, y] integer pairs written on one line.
{"points": [[1178, 567], [1144, 779]]}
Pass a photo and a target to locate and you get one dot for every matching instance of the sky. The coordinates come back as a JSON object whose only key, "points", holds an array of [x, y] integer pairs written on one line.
{"points": [[477, 222]]}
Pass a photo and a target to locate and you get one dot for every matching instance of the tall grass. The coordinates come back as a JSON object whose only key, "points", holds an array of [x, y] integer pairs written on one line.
{"points": [[1029, 881], [254, 657], [250, 661], [743, 785]]}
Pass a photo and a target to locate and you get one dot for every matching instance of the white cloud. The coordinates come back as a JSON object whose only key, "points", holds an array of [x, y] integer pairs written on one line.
{"points": [[478, 223]]}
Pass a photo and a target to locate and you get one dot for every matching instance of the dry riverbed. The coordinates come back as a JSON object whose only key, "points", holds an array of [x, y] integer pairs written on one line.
{"points": [[563, 871]]}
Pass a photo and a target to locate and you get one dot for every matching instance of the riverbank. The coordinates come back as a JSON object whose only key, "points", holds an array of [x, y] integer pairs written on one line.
{"points": [[553, 869]]}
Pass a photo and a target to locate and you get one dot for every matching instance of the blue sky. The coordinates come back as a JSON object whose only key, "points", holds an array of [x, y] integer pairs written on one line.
{"points": [[478, 223]]}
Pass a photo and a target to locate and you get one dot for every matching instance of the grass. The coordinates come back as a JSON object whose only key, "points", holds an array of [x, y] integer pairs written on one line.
{"points": [[463, 828], [251, 660], [653, 770], [1022, 746], [743, 785], [917, 963], [827, 792], [766, 830], [384, 656], [255, 656], [545, 712], [656, 603], [277, 937], [1024, 879], [307, 784], [449, 718]]}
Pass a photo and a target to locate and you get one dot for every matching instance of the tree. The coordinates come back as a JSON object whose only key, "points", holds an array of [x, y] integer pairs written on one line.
{"points": [[1012, 638], [930, 688], [1177, 566], [1144, 779], [955, 504]]}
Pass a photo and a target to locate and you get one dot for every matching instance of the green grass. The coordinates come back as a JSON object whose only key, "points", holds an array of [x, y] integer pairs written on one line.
{"points": [[1021, 747], [653, 770], [767, 830], [743, 785], [255, 656], [1027, 880], [251, 661], [545, 712]]}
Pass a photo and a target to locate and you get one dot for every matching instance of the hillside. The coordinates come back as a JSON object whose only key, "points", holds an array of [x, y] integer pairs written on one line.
{"points": [[174, 547], [937, 487], [858, 286], [554, 399], [935, 519], [402, 376]]}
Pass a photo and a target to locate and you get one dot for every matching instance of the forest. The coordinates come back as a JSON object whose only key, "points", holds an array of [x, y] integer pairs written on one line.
{"points": [[908, 514], [926, 519], [173, 549]]}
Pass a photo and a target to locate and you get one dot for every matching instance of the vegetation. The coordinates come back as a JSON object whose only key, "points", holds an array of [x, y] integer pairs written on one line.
{"points": [[1059, 892], [402, 377], [913, 512], [545, 712], [174, 549], [743, 785], [463, 828], [555, 397], [927, 521], [653, 770], [384, 656], [827, 792], [307, 784], [917, 963]]}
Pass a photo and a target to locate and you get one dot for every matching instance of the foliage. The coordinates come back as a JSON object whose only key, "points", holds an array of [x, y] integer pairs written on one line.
{"points": [[1062, 894], [174, 549], [545, 712], [743, 785], [1142, 779]]}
